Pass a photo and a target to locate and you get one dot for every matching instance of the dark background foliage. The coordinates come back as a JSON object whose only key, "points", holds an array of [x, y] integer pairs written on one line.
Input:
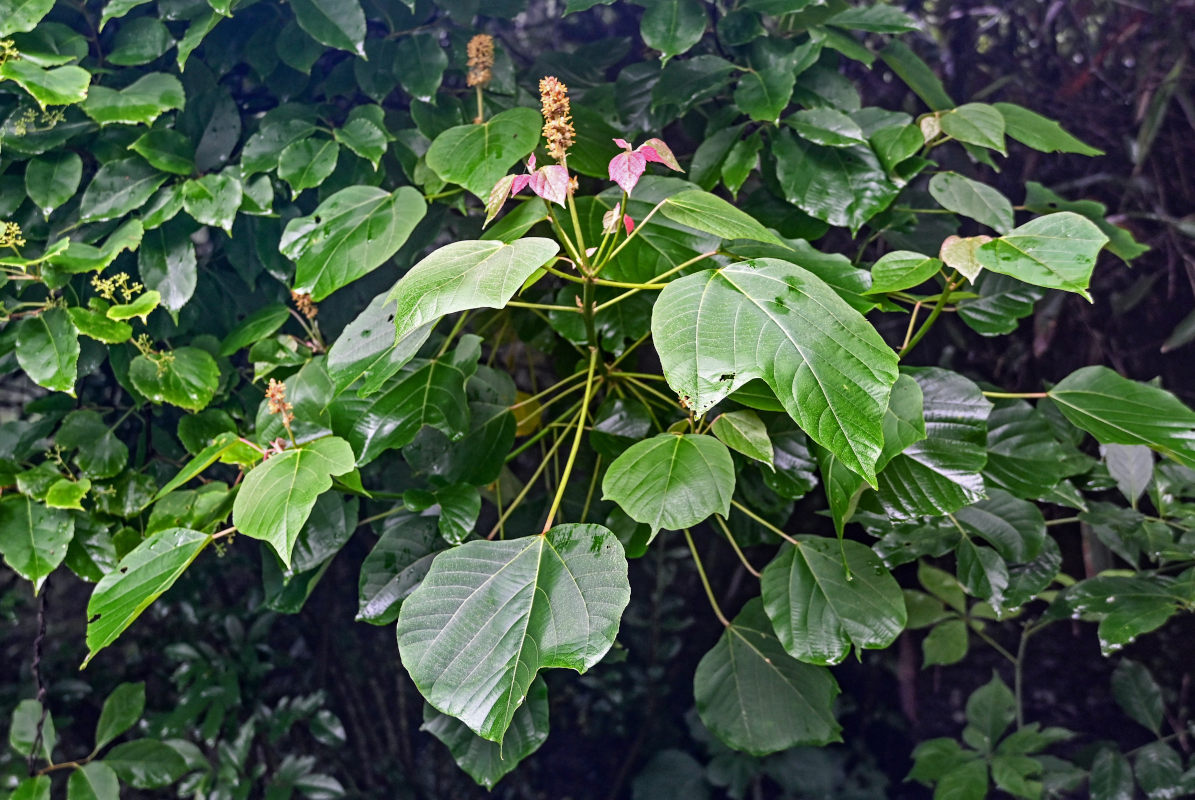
{"points": [[1108, 70]]}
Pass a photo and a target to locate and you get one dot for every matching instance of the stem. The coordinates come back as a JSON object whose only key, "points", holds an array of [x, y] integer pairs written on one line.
{"points": [[572, 212], [572, 455], [513, 454], [1017, 395], [597, 469], [480, 107], [542, 306], [526, 487], [460, 323], [565, 239], [438, 195], [1061, 521], [932, 318], [999, 648], [35, 669], [730, 538], [630, 237], [1018, 674], [550, 389], [705, 581], [654, 281], [912, 323], [763, 522]]}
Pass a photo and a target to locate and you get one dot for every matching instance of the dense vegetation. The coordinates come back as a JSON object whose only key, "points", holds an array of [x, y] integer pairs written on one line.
{"points": [[730, 354]]}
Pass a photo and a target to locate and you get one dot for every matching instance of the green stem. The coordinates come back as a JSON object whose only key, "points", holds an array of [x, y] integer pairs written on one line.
{"points": [[542, 306], [931, 319], [544, 431], [564, 237], [1061, 521], [763, 522], [572, 212], [705, 581], [572, 455], [630, 238], [460, 324], [1017, 395], [557, 385], [597, 469], [735, 545], [656, 281], [448, 193], [543, 464]]}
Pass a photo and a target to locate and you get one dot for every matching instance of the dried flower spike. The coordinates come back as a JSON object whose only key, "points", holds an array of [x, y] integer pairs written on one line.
{"points": [[558, 121], [481, 60], [302, 301]]}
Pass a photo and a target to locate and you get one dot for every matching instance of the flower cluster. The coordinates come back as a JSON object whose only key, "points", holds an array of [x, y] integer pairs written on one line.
{"points": [[302, 301], [276, 401], [11, 235], [108, 288], [558, 120], [481, 60]]}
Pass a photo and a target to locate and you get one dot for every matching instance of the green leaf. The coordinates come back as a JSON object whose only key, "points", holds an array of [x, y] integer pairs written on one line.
{"points": [[740, 162], [990, 710], [366, 349], [96, 325], [1040, 200], [1002, 302], [65, 493], [21, 16], [213, 199], [336, 23], [465, 275], [258, 325], [1159, 771], [203, 459], [139, 41], [307, 163], [818, 609], [485, 761], [119, 187], [490, 615], [460, 505], [276, 497], [672, 26], [672, 482], [424, 393], [60, 86], [1057, 251], [1023, 455], [879, 18], [140, 307], [940, 473], [364, 138], [933, 759], [396, 566], [772, 320], [187, 377], [900, 270], [141, 102], [349, 235], [844, 186], [1131, 466], [420, 61], [916, 74], [1111, 776], [146, 763], [973, 199], [709, 213], [477, 156], [1138, 694], [23, 731], [48, 350], [1040, 133], [946, 643], [896, 144], [121, 711], [757, 698], [94, 781], [53, 179], [975, 123], [142, 576], [167, 150], [1013, 526], [826, 126], [1116, 410], [167, 264], [33, 538], [744, 432]]}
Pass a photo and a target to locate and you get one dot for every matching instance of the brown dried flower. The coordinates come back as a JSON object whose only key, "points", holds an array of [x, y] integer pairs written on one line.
{"points": [[276, 401], [481, 59], [302, 301], [558, 121]]}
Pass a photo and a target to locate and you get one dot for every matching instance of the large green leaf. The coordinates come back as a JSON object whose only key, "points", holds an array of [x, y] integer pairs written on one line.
{"points": [[757, 698], [1138, 694], [336, 23], [1056, 251], [59, 86], [121, 711], [477, 156], [142, 576], [186, 377], [1040, 200], [710, 213], [166, 261], [33, 538], [844, 186], [141, 102], [420, 61], [485, 761], [424, 393], [118, 188], [1023, 456], [366, 349], [53, 179], [349, 235], [21, 16], [818, 609], [308, 163], [48, 350], [1040, 133], [396, 566], [671, 481], [277, 496], [975, 123], [744, 432], [213, 199], [1014, 527], [940, 473], [146, 763], [1116, 410], [775, 321], [490, 615], [464, 275], [672, 26], [980, 202], [93, 781]]}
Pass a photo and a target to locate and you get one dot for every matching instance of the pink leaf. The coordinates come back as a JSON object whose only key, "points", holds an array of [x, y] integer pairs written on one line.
{"points": [[625, 169], [623, 143], [656, 150], [497, 197], [628, 222], [551, 183], [519, 183], [531, 163]]}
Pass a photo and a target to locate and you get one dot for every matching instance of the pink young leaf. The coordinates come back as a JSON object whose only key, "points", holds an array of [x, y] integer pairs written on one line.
{"points": [[656, 150], [623, 143], [628, 223], [531, 163], [497, 197], [625, 169], [551, 183], [610, 220], [519, 183]]}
